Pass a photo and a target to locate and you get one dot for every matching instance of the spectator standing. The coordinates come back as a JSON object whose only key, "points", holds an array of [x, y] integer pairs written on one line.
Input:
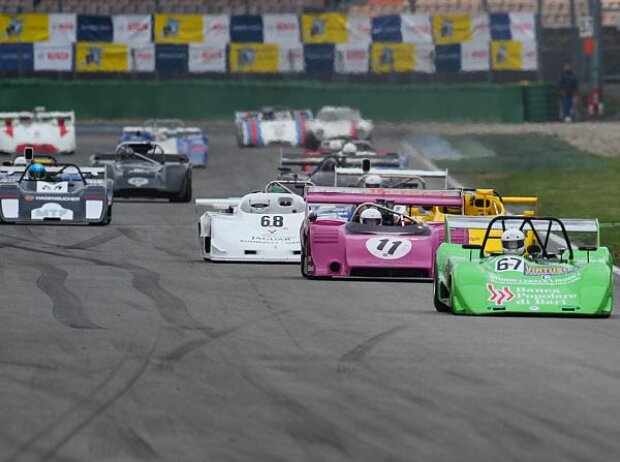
{"points": [[568, 90]]}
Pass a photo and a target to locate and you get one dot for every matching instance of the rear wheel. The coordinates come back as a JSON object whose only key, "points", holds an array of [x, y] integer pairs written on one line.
{"points": [[304, 263]]}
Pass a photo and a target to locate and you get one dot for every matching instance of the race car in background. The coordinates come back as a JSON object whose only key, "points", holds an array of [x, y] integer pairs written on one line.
{"points": [[58, 193], [337, 122], [535, 279], [260, 226], [46, 132], [336, 241], [272, 126], [173, 137], [143, 170]]}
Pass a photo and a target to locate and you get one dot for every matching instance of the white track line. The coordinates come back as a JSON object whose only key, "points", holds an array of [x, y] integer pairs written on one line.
{"points": [[412, 152]]}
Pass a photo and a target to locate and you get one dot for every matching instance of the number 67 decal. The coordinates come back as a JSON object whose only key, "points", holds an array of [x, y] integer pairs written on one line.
{"points": [[388, 248], [508, 264]]}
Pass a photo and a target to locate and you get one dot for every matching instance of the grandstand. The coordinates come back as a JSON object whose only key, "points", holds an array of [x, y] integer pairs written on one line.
{"points": [[554, 13]]}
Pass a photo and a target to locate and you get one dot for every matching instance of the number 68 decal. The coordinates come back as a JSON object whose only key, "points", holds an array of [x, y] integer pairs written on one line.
{"points": [[388, 248], [276, 220]]}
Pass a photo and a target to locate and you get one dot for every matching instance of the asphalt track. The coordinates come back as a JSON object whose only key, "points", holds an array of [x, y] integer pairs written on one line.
{"points": [[120, 343]]}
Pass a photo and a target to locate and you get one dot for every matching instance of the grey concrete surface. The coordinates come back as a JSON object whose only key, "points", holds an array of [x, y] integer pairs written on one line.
{"points": [[119, 343]]}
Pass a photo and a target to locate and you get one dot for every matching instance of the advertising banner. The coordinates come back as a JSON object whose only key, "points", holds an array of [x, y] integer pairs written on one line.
{"points": [[506, 55], [425, 58], [142, 57], [24, 28], [324, 28], [352, 59], [178, 28], [452, 28], [207, 58], [171, 58], [282, 29], [16, 57], [291, 58], [475, 56], [523, 26], [417, 28], [246, 29], [94, 28], [319, 57], [101, 57], [359, 28], [63, 28], [254, 57], [392, 57], [216, 29], [133, 29], [53, 57], [387, 28], [448, 58]]}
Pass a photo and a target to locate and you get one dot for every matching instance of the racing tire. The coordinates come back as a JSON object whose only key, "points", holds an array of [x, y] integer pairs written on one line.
{"points": [[439, 305], [186, 193], [304, 264]]}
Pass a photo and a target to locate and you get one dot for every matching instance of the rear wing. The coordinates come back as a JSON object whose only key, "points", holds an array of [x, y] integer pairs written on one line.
{"points": [[219, 204], [107, 157], [68, 117], [520, 200], [301, 160], [16, 115], [88, 173], [540, 224], [424, 198], [393, 173]]}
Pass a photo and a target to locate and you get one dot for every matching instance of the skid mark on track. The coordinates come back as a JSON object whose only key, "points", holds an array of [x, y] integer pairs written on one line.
{"points": [[350, 358], [68, 308], [134, 236], [47, 442], [95, 241]]}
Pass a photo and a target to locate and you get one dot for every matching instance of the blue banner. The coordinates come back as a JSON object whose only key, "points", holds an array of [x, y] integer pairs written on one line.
{"points": [[171, 58], [319, 57], [387, 28], [246, 29], [94, 28], [17, 57], [448, 58], [500, 26]]}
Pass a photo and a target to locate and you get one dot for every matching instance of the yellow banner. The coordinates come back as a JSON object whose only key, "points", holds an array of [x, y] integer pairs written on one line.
{"points": [[178, 28], [101, 57], [506, 55], [24, 28], [324, 28], [392, 57], [254, 57], [451, 28]]}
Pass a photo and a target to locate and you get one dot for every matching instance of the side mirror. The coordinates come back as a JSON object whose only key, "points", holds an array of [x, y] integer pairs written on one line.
{"points": [[312, 216], [366, 165], [588, 248], [29, 154], [472, 246]]}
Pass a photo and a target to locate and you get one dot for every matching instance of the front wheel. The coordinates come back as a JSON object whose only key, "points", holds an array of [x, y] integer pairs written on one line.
{"points": [[304, 264], [439, 305], [186, 192]]}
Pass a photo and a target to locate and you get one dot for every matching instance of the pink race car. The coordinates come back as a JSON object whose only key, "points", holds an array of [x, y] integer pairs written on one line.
{"points": [[371, 233]]}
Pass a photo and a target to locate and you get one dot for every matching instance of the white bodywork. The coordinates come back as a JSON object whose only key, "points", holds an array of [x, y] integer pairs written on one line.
{"points": [[46, 132], [280, 127], [339, 122], [164, 132], [261, 227]]}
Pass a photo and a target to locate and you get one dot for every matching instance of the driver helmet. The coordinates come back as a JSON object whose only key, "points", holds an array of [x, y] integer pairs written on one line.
{"points": [[373, 181], [36, 171], [371, 217], [513, 242], [349, 148]]}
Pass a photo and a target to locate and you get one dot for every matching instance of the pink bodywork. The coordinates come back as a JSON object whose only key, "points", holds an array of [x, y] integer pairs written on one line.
{"points": [[335, 252]]}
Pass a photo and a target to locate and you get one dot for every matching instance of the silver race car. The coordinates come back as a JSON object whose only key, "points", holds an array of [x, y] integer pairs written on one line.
{"points": [[143, 170]]}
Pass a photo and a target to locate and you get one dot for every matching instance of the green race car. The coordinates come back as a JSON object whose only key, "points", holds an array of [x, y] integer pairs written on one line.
{"points": [[550, 278]]}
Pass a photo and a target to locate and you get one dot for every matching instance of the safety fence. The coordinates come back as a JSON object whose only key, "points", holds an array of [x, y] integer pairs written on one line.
{"points": [[268, 43], [206, 99]]}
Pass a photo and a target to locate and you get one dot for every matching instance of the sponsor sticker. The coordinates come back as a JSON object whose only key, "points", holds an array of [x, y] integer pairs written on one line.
{"points": [[547, 270], [500, 295], [137, 181]]}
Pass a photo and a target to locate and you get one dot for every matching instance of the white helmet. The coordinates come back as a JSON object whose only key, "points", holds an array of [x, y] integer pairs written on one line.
{"points": [[349, 148], [371, 217], [373, 181], [513, 242]]}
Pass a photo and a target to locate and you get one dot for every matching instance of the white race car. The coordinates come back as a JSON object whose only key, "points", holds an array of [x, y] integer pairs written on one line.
{"points": [[270, 126], [337, 122], [260, 226], [46, 132]]}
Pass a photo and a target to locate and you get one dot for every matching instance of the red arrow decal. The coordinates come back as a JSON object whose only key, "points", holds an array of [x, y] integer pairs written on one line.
{"points": [[500, 295]]}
